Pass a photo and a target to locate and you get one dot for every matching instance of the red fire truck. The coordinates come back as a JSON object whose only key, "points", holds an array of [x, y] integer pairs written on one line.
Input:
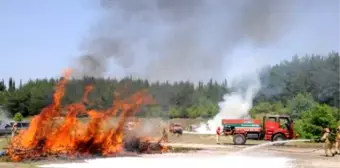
{"points": [[272, 128]]}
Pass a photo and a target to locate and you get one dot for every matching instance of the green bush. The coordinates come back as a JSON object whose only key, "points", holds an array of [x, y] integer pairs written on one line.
{"points": [[314, 120], [18, 117]]}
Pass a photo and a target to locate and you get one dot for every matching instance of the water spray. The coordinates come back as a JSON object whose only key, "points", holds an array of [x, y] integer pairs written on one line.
{"points": [[270, 143]]}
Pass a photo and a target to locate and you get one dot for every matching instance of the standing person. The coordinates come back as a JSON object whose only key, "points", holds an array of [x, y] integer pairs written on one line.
{"points": [[337, 142], [14, 129], [328, 143], [218, 133], [165, 135]]}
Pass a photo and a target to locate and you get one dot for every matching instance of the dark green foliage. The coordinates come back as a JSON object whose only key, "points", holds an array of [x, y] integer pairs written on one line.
{"points": [[11, 85], [2, 86], [32, 96], [314, 120]]}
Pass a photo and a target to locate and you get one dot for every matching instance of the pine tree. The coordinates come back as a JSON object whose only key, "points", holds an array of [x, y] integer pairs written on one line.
{"points": [[2, 86], [10, 83], [20, 85]]}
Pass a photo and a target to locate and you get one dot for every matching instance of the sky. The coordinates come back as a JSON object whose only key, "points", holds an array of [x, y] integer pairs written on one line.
{"points": [[40, 38]]}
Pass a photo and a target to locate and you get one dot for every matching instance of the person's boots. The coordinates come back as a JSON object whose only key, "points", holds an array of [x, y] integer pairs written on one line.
{"points": [[331, 155]]}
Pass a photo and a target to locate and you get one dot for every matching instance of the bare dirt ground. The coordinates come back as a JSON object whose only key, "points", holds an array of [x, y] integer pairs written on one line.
{"points": [[306, 155]]}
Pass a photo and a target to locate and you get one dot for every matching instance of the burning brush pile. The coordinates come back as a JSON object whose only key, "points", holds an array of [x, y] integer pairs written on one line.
{"points": [[71, 138]]}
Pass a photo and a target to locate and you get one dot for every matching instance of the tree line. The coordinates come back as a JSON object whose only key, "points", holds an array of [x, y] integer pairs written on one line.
{"points": [[307, 88], [174, 100]]}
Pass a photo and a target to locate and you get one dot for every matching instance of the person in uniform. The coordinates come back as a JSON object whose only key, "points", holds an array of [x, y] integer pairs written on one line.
{"points": [[337, 141], [328, 143], [165, 135], [14, 129], [218, 133]]}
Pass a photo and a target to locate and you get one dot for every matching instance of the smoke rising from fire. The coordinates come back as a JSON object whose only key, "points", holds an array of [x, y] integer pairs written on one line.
{"points": [[179, 39], [189, 40], [4, 116]]}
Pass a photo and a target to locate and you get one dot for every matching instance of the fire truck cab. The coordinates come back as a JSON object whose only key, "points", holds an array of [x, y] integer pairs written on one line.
{"points": [[277, 128], [272, 128]]}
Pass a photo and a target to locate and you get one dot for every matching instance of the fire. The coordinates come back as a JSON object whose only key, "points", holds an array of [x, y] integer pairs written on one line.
{"points": [[88, 89], [71, 137]]}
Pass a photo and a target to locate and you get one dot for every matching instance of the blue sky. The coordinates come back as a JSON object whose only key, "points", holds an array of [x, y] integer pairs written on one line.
{"points": [[39, 38]]}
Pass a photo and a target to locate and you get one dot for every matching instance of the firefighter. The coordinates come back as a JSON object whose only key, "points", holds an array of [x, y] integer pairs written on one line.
{"points": [[165, 135], [14, 129], [218, 133], [337, 142], [328, 142]]}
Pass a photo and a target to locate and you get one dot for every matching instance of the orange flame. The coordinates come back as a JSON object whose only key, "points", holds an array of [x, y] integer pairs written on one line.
{"points": [[72, 137], [88, 89]]}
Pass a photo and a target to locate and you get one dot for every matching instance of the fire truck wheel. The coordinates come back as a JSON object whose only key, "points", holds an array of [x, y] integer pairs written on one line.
{"points": [[279, 137], [239, 139]]}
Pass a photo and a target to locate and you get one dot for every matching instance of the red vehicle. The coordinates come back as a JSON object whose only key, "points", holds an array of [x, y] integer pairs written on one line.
{"points": [[272, 128]]}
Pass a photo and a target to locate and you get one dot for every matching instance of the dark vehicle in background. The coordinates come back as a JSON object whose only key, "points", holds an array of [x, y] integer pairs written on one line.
{"points": [[176, 128], [6, 127]]}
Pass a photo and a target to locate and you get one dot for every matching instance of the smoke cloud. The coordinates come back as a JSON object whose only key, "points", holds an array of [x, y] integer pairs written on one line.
{"points": [[192, 40], [180, 39]]}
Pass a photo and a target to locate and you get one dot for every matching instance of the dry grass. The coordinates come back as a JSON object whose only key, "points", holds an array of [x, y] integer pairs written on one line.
{"points": [[4, 161], [17, 165], [4, 142]]}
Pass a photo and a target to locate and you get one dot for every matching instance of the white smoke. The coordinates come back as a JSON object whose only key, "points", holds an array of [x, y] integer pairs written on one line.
{"points": [[244, 78], [4, 116]]}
